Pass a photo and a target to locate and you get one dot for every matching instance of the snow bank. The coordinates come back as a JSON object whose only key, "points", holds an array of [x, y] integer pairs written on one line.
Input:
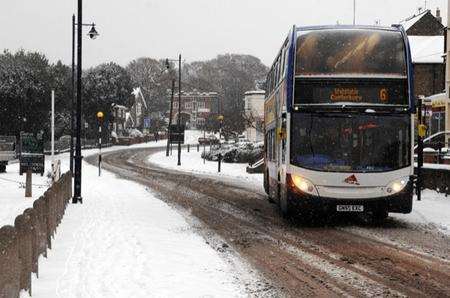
{"points": [[193, 162], [433, 209], [191, 136], [12, 194]]}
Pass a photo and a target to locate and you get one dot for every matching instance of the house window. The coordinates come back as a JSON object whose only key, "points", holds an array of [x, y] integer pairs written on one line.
{"points": [[201, 104], [200, 121], [188, 105]]}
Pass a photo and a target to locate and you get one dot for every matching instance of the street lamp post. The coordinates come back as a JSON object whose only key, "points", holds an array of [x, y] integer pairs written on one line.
{"points": [[179, 108], [78, 158], [100, 124], [72, 116], [171, 107], [170, 116]]}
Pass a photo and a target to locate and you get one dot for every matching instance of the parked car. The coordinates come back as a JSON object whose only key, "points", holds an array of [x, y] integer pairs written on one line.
{"points": [[7, 151], [209, 140]]}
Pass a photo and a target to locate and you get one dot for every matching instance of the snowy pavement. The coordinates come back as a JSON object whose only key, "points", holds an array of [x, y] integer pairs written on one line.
{"points": [[12, 196], [432, 212], [123, 242]]}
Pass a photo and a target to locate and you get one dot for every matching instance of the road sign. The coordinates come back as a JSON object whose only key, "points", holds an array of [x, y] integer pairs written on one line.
{"points": [[31, 153], [147, 122], [177, 133]]}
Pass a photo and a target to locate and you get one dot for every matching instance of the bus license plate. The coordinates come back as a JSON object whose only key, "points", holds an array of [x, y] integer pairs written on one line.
{"points": [[350, 208]]}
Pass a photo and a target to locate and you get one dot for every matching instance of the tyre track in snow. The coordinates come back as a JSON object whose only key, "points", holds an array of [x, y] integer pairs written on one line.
{"points": [[300, 260]]}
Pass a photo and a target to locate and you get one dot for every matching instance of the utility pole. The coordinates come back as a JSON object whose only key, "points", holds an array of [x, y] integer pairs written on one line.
{"points": [[179, 109], [447, 77], [354, 12]]}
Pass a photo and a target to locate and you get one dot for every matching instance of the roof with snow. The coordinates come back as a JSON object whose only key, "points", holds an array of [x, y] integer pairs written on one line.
{"points": [[409, 22], [427, 49]]}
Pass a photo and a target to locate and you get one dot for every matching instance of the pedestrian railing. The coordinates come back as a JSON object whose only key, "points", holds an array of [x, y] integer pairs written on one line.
{"points": [[32, 234]]}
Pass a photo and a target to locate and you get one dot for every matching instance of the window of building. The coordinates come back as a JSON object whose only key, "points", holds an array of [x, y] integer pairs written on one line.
{"points": [[200, 121], [188, 105], [201, 104]]}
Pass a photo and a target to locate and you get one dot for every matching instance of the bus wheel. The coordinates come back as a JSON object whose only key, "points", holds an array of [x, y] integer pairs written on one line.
{"points": [[2, 168], [285, 204]]}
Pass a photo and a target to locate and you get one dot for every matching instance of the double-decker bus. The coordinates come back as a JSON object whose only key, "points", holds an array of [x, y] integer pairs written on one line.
{"points": [[339, 121]]}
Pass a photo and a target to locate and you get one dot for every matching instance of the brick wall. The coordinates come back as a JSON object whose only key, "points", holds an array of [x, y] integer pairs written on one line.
{"points": [[428, 25]]}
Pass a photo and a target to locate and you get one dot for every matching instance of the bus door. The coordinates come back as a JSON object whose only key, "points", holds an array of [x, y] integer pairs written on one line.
{"points": [[281, 147]]}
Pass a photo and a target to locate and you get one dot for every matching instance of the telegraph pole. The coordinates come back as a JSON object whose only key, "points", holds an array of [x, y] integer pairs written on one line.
{"points": [[354, 12]]}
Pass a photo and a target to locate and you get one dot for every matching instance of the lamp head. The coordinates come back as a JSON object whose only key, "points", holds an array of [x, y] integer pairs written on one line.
{"points": [[167, 64], [93, 33]]}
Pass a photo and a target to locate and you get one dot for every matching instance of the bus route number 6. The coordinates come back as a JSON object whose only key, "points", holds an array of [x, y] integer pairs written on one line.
{"points": [[384, 95]]}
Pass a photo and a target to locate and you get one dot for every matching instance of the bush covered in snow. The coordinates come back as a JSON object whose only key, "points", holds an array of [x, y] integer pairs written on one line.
{"points": [[236, 153], [136, 133]]}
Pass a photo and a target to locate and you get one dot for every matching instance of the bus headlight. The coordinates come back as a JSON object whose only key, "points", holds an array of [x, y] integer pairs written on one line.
{"points": [[304, 185], [397, 185]]}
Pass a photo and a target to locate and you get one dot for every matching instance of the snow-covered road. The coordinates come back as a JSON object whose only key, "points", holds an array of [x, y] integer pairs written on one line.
{"points": [[343, 255], [432, 212]]}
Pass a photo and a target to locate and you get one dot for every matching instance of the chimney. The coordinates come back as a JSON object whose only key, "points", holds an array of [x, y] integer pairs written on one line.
{"points": [[438, 15]]}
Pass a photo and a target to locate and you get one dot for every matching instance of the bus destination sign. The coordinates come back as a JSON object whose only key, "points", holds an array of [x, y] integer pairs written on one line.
{"points": [[319, 93]]}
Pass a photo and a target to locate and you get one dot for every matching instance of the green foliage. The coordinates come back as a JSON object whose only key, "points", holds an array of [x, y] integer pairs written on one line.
{"points": [[25, 87]]}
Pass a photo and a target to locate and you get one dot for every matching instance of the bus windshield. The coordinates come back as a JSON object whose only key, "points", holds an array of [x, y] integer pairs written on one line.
{"points": [[350, 142], [335, 52]]}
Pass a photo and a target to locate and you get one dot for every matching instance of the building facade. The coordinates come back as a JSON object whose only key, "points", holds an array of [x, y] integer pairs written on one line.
{"points": [[196, 108], [254, 115], [119, 123], [426, 37]]}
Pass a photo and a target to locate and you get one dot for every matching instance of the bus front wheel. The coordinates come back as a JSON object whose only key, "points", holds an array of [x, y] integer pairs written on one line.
{"points": [[287, 209]]}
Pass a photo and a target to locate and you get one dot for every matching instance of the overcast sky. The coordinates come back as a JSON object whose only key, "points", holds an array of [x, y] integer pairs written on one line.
{"points": [[198, 29]]}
